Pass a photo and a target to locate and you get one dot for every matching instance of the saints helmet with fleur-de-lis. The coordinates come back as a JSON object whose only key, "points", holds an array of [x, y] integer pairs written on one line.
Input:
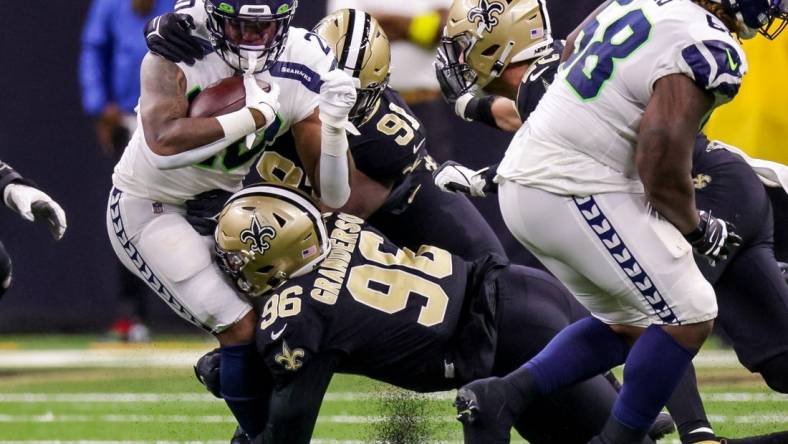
{"points": [[482, 37], [263, 237]]}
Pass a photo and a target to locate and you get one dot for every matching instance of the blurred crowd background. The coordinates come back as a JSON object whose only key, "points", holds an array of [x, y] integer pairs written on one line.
{"points": [[69, 83]]}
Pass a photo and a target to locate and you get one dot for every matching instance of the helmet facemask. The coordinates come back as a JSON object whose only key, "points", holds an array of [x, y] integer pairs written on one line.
{"points": [[452, 59], [252, 35], [366, 102], [766, 17], [776, 19]]}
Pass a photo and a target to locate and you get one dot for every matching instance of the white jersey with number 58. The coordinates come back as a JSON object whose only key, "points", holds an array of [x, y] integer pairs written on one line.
{"points": [[581, 138], [298, 73]]}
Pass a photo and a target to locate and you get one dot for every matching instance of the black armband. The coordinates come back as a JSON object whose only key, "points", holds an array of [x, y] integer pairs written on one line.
{"points": [[9, 175], [479, 109]]}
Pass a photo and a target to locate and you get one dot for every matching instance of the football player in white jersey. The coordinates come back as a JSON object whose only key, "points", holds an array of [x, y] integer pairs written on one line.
{"points": [[173, 158], [597, 184]]}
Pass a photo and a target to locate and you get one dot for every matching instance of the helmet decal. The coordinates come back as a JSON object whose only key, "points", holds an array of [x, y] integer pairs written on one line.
{"points": [[484, 14], [258, 234]]}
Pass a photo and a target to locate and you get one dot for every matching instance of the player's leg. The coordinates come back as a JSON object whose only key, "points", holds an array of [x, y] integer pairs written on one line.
{"points": [[532, 308], [631, 270], [5, 269], [156, 243], [753, 299], [448, 221]]}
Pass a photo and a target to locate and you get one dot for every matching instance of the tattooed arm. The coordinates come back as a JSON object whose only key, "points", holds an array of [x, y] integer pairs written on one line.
{"points": [[176, 140]]}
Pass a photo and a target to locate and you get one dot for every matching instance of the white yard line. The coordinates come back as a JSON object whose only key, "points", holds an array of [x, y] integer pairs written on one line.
{"points": [[32, 398], [174, 358], [331, 419]]}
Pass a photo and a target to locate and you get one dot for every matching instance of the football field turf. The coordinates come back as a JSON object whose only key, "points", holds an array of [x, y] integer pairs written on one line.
{"points": [[67, 390]]}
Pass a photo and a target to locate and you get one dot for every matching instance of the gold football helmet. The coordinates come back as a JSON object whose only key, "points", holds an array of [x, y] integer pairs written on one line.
{"points": [[363, 51], [482, 37], [267, 234]]}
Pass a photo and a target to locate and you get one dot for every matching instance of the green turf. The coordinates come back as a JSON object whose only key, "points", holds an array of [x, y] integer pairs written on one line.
{"points": [[208, 419]]}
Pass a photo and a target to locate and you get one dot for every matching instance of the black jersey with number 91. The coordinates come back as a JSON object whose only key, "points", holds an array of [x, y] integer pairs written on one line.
{"points": [[392, 145]]}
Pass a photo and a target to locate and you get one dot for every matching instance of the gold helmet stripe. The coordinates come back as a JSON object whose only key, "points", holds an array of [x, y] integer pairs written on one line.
{"points": [[295, 198]]}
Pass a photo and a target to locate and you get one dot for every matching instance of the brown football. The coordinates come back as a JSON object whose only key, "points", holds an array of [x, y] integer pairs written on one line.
{"points": [[223, 97]]}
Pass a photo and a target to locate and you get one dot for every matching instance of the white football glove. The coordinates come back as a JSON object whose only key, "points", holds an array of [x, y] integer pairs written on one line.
{"points": [[35, 205], [265, 102], [337, 97], [452, 177]]}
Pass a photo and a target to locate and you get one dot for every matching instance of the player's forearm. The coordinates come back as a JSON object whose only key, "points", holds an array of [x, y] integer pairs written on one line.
{"points": [[506, 116], [334, 168], [181, 135], [193, 140], [666, 176], [495, 111]]}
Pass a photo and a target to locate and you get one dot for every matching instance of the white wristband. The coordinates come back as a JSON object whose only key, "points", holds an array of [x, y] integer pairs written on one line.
{"points": [[237, 124]]}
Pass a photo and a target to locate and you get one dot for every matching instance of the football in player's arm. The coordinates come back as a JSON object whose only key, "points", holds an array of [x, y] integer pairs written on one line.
{"points": [[320, 137], [392, 184]]}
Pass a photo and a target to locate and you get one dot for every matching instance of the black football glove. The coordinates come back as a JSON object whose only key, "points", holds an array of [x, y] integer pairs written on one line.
{"points": [[203, 211], [169, 35], [451, 77], [784, 269], [713, 238], [207, 371]]}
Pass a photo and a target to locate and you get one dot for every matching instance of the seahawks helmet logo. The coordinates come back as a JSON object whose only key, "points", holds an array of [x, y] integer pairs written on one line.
{"points": [[258, 235], [484, 14]]}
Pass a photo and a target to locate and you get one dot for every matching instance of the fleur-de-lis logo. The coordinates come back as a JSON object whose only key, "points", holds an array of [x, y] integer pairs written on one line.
{"points": [[289, 359], [484, 14], [257, 235], [701, 181]]}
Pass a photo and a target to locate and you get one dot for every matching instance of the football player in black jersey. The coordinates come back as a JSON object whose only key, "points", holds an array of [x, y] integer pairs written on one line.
{"points": [[32, 204], [392, 184], [725, 186], [336, 296]]}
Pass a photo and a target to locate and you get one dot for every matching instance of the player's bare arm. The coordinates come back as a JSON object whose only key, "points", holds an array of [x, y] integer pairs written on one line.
{"points": [[664, 149], [164, 109], [366, 196], [506, 116]]}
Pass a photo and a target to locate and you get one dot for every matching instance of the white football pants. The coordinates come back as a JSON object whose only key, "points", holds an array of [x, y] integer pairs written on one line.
{"points": [[156, 243], [622, 261]]}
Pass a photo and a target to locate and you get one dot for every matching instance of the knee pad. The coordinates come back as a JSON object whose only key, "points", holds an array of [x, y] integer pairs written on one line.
{"points": [[207, 371], [5, 270], [775, 372]]}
